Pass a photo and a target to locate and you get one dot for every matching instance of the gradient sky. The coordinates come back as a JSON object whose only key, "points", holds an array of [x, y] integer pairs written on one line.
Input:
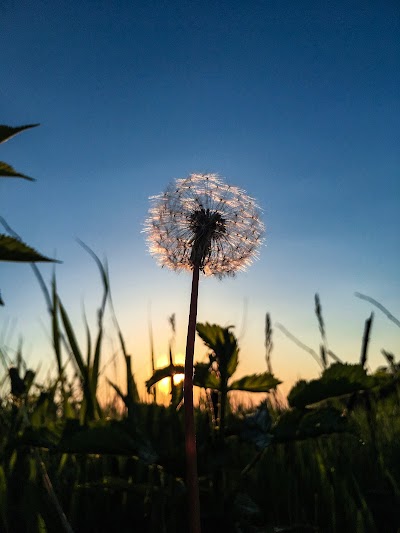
{"points": [[296, 102]]}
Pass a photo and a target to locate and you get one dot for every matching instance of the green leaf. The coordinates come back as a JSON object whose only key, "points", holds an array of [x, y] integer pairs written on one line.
{"points": [[55, 325], [337, 380], [162, 373], [365, 341], [255, 383], [12, 249], [118, 391], [131, 387], [224, 345], [204, 377], [72, 341], [100, 313], [300, 424], [7, 171], [233, 362], [7, 132], [90, 407]]}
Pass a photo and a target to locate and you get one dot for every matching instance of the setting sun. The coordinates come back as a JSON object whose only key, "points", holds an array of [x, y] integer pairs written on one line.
{"points": [[164, 385]]}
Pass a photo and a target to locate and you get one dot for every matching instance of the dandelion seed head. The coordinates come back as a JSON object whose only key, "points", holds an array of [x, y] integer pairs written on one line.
{"points": [[201, 221]]}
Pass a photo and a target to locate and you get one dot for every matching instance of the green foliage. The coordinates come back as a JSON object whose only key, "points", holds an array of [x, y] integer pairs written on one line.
{"points": [[225, 354], [223, 344], [255, 383], [20, 386], [89, 370], [12, 249], [300, 424], [204, 377], [337, 380], [131, 398], [7, 171], [328, 463], [6, 133]]}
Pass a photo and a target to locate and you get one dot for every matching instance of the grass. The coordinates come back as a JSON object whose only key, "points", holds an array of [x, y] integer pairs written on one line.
{"points": [[329, 462]]}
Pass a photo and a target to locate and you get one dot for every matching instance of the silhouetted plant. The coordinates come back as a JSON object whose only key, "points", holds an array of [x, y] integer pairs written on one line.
{"points": [[201, 224], [13, 248]]}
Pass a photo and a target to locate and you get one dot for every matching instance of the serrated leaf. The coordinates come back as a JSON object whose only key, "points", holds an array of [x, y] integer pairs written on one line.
{"points": [[224, 345], [255, 383], [7, 132], [162, 373], [7, 171], [12, 249], [337, 380]]}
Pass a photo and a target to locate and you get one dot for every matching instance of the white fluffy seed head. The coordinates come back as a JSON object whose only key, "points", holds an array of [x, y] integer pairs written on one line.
{"points": [[200, 220]]}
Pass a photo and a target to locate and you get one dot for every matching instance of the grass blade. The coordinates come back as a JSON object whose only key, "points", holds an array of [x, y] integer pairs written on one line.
{"points": [[380, 307], [365, 341]]}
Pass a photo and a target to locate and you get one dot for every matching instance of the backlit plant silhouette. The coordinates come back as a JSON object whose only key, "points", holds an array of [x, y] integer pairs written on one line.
{"points": [[201, 224]]}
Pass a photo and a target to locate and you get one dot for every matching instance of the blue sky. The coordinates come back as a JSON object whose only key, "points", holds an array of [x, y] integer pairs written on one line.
{"points": [[296, 102]]}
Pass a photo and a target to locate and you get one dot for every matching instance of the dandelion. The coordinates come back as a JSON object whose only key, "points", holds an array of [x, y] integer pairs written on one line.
{"points": [[201, 224]]}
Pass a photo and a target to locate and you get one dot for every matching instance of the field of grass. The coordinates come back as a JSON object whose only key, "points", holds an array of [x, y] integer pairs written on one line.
{"points": [[328, 462]]}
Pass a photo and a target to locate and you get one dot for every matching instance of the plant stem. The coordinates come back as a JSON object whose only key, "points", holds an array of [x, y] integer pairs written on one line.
{"points": [[190, 436]]}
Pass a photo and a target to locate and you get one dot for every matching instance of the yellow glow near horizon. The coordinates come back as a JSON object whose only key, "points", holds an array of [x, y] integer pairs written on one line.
{"points": [[164, 386]]}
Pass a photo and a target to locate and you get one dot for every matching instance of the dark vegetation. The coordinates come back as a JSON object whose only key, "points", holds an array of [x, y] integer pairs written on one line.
{"points": [[329, 461]]}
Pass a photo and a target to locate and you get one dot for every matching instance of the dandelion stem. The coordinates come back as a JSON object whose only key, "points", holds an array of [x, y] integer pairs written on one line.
{"points": [[190, 436]]}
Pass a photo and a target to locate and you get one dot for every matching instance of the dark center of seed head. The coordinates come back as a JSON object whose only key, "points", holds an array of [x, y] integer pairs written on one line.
{"points": [[206, 226]]}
